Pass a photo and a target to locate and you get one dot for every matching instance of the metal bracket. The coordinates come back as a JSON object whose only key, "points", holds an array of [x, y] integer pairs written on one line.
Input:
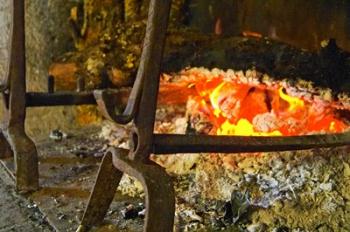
{"points": [[160, 196]]}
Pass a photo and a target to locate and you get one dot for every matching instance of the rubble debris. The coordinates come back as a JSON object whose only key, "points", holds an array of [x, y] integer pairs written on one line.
{"points": [[58, 135], [256, 228], [132, 212], [61, 216], [239, 205]]}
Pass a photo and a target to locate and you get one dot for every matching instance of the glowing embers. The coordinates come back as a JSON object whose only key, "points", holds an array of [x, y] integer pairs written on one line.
{"points": [[238, 107]]}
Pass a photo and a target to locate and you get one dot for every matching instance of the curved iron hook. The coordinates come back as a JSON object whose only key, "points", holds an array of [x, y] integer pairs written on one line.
{"points": [[160, 195]]}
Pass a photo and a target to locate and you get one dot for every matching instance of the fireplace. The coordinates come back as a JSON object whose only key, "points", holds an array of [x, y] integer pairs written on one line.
{"points": [[233, 105], [227, 111]]}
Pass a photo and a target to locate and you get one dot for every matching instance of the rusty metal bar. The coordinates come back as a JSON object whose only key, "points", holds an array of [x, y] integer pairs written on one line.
{"points": [[38, 99], [26, 157], [81, 84], [50, 84], [171, 143], [142, 103], [158, 187], [149, 74], [101, 197], [59, 99]]}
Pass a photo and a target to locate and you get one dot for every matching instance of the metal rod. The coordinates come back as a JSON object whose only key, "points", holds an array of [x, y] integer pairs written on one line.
{"points": [[50, 84], [149, 75], [105, 82], [59, 99], [25, 153], [81, 84], [171, 143]]}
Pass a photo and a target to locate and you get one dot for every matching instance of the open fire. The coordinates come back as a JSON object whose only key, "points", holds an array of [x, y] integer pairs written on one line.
{"points": [[236, 105]]}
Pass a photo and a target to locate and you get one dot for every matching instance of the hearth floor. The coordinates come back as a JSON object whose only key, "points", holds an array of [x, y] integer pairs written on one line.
{"points": [[17, 213], [67, 173]]}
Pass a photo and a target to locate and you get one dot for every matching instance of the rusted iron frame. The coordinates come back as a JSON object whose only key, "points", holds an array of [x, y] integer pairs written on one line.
{"points": [[158, 188], [149, 74], [159, 194], [13, 139], [141, 108], [12, 128], [38, 99], [172, 143]]}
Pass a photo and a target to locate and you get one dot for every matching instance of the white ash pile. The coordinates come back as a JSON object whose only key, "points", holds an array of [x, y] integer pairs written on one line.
{"points": [[115, 135]]}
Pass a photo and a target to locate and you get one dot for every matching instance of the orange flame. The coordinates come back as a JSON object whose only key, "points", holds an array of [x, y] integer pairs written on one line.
{"points": [[257, 110], [294, 102], [243, 128], [214, 99]]}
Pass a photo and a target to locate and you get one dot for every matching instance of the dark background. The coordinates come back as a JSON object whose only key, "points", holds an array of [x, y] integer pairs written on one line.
{"points": [[299, 22]]}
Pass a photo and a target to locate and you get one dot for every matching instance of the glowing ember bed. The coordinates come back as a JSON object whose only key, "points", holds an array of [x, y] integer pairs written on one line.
{"points": [[235, 104]]}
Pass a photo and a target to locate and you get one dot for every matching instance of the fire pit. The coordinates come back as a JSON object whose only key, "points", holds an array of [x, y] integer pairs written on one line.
{"points": [[227, 107]]}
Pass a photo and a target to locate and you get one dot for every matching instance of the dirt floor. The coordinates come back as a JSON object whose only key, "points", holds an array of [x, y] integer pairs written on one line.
{"points": [[67, 172], [18, 213]]}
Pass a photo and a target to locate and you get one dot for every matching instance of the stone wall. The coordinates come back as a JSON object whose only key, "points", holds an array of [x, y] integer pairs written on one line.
{"points": [[47, 36]]}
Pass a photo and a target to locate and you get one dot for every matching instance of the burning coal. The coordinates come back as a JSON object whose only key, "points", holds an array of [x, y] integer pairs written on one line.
{"points": [[237, 105]]}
